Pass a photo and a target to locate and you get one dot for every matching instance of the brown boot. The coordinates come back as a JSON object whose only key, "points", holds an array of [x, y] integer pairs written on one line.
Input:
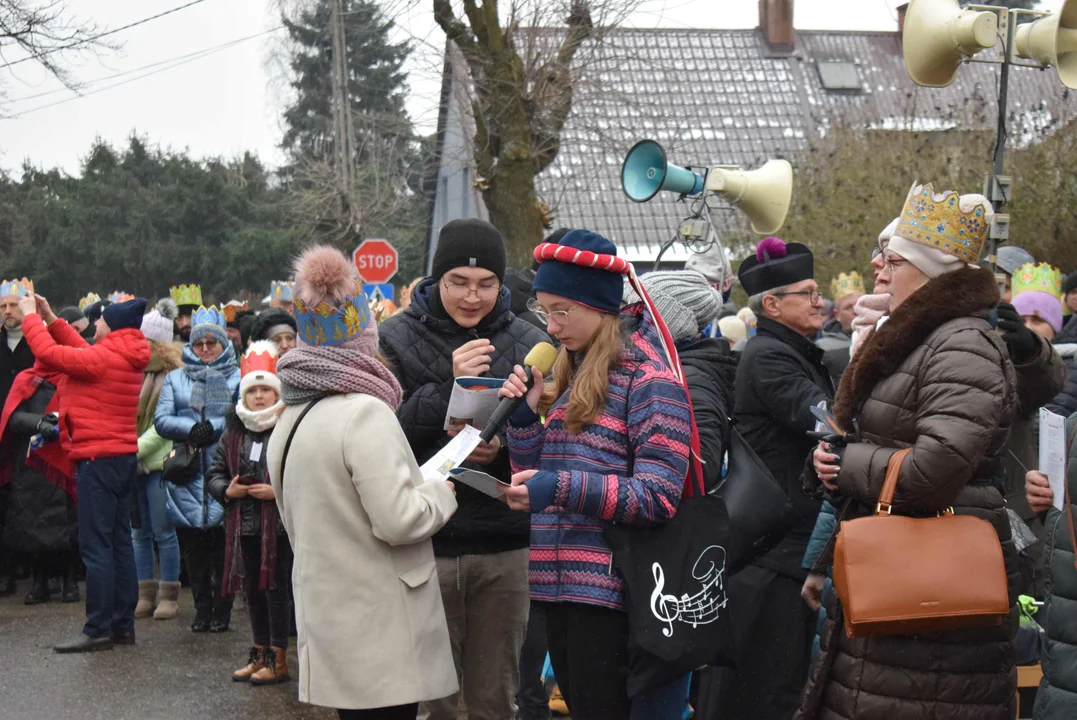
{"points": [[167, 601], [275, 670], [255, 662], [147, 598]]}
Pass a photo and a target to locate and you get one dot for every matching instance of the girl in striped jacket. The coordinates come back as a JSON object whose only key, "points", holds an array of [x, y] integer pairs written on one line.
{"points": [[614, 449]]}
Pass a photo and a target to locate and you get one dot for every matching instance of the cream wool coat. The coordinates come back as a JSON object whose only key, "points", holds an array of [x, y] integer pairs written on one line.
{"points": [[372, 629]]}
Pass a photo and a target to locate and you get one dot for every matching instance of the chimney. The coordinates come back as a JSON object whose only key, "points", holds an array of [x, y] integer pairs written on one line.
{"points": [[902, 9], [776, 23]]}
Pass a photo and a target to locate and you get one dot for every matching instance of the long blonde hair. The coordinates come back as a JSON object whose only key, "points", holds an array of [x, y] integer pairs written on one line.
{"points": [[589, 382]]}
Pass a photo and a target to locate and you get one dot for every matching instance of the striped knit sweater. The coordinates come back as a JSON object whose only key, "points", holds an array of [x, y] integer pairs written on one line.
{"points": [[628, 466]]}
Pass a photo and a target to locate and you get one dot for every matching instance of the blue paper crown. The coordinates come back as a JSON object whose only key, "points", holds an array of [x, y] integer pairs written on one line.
{"points": [[19, 288], [208, 315], [281, 290], [326, 325]]}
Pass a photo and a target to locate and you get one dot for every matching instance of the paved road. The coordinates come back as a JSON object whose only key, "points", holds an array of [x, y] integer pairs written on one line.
{"points": [[171, 674]]}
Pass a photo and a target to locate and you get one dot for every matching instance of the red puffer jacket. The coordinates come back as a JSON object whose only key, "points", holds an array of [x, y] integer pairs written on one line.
{"points": [[99, 407]]}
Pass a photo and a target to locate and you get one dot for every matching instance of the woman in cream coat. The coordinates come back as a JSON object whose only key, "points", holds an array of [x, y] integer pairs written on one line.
{"points": [[373, 640]]}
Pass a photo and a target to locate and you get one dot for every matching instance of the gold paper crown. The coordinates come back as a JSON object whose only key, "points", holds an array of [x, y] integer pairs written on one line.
{"points": [[89, 300], [1041, 277], [844, 285], [186, 294], [20, 287], [935, 220]]}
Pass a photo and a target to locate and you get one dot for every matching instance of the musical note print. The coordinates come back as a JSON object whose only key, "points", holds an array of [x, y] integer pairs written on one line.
{"points": [[703, 607]]}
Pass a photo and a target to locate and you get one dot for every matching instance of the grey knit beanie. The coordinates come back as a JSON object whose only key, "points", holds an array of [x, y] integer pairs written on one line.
{"points": [[684, 298]]}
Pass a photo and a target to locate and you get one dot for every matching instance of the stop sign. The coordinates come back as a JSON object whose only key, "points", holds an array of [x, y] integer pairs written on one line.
{"points": [[376, 261]]}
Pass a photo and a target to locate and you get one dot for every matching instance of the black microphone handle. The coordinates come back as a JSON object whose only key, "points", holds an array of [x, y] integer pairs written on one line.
{"points": [[504, 410]]}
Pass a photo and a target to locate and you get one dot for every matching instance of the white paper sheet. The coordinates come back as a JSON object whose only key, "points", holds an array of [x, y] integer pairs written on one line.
{"points": [[486, 484], [1053, 453], [473, 401], [438, 467]]}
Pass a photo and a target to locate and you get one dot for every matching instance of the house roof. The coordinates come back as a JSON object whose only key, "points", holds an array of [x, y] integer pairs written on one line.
{"points": [[720, 97]]}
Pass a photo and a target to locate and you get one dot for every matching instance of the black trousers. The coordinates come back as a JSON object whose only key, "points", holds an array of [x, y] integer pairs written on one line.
{"points": [[532, 699], [397, 712], [203, 554], [589, 652], [270, 610]]}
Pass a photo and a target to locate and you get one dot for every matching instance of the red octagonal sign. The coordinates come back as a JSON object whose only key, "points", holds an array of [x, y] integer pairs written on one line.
{"points": [[376, 261]]}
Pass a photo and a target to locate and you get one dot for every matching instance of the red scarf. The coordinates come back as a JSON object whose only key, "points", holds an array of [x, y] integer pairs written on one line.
{"points": [[50, 460]]}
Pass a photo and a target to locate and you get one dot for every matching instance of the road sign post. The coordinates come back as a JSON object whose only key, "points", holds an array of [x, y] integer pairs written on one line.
{"points": [[376, 261]]}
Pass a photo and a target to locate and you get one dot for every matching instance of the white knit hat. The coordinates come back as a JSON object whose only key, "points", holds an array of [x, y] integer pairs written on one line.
{"points": [[684, 298], [158, 324]]}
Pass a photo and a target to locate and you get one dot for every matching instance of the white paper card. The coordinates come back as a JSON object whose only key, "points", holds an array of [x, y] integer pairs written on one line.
{"points": [[473, 401], [486, 484], [256, 452], [448, 457], [1053, 453]]}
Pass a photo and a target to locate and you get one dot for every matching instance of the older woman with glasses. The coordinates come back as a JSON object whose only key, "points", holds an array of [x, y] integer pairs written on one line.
{"points": [[936, 378], [191, 412]]}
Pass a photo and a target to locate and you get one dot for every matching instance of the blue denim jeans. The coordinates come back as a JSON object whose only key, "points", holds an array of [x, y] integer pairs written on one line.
{"points": [[105, 486], [156, 527]]}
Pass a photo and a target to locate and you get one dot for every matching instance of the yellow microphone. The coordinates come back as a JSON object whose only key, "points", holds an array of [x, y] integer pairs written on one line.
{"points": [[542, 356]]}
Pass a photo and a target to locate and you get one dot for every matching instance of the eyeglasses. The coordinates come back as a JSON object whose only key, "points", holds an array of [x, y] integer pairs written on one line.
{"points": [[893, 262], [204, 344], [544, 316], [876, 252], [812, 295], [461, 290]]}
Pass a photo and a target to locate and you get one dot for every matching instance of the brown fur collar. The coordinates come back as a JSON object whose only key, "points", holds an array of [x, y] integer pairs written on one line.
{"points": [[962, 293], [164, 357]]}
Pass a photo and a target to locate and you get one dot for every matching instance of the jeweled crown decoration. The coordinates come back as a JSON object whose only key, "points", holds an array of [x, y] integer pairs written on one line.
{"points": [[935, 220], [89, 300], [1041, 277], [233, 307], [260, 357], [19, 288], [844, 285], [186, 294], [120, 296], [208, 316], [281, 290], [327, 325]]}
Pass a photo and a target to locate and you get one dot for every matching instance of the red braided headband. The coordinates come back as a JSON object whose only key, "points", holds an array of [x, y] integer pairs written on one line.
{"points": [[583, 258]]}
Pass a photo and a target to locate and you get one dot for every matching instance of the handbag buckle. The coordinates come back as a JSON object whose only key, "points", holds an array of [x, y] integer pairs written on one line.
{"points": [[882, 507]]}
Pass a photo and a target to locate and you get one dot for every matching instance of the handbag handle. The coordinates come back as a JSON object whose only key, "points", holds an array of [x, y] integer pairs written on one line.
{"points": [[291, 436], [893, 469]]}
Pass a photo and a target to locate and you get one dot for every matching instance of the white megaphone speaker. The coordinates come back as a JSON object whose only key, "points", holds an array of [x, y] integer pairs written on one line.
{"points": [[645, 172], [763, 195], [939, 35], [1052, 41]]}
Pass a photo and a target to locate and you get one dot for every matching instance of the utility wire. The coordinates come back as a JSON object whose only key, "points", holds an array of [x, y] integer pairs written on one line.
{"points": [[183, 60], [100, 35]]}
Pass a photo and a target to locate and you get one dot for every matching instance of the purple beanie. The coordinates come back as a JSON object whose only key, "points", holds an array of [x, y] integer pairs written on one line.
{"points": [[1041, 304]]}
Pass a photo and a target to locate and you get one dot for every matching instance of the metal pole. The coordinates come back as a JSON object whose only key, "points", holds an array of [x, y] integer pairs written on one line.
{"points": [[1000, 137]]}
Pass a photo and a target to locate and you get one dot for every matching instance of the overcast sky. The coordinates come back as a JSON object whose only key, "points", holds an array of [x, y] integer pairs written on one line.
{"points": [[227, 102]]}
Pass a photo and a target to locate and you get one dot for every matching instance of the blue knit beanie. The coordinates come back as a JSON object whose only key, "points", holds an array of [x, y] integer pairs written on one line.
{"points": [[125, 315], [596, 288]]}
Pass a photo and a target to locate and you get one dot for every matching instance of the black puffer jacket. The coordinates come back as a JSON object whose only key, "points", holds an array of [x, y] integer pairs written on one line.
{"points": [[710, 369], [1057, 697], [1065, 403], [419, 343], [219, 476]]}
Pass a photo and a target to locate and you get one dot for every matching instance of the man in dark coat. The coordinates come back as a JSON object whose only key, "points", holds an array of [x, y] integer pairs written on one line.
{"points": [[779, 378], [15, 356], [459, 324]]}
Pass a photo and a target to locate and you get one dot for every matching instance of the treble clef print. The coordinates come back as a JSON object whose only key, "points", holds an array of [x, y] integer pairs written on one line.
{"points": [[664, 607]]}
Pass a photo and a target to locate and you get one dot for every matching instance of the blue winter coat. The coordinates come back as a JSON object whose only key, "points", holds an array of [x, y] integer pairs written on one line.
{"points": [[191, 506], [825, 525]]}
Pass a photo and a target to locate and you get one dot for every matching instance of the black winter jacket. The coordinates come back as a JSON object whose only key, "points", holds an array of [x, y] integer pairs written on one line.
{"points": [[779, 378], [1065, 403], [419, 343], [710, 369], [220, 475], [12, 363]]}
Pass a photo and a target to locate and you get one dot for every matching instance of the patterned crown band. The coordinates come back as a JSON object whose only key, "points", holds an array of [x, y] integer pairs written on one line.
{"points": [[844, 285], [208, 316], [281, 290], [18, 288], [89, 300], [186, 294], [1041, 277], [935, 220], [326, 325]]}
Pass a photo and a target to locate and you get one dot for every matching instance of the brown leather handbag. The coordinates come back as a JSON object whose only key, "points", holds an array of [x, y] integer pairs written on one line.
{"points": [[898, 575]]}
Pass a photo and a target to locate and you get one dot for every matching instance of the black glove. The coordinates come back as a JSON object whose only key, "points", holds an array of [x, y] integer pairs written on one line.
{"points": [[48, 429], [1023, 343], [201, 434]]}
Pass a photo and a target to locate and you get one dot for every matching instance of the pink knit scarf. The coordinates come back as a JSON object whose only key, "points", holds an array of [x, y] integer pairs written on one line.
{"points": [[310, 372]]}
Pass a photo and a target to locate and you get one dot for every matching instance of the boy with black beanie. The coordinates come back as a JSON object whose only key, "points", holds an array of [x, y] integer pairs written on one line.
{"points": [[459, 323]]}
